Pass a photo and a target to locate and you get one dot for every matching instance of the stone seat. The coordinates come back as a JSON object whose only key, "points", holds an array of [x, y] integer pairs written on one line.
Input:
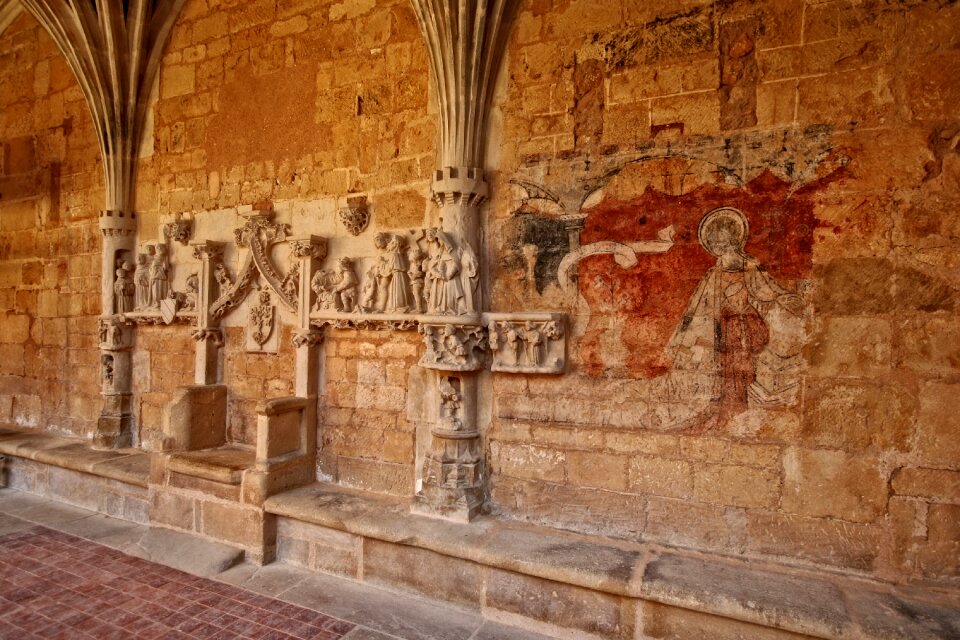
{"points": [[224, 464]]}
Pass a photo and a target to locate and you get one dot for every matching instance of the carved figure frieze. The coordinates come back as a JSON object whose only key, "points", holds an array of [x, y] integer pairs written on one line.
{"points": [[114, 334], [335, 289], [451, 275], [180, 230], [527, 342], [452, 347]]}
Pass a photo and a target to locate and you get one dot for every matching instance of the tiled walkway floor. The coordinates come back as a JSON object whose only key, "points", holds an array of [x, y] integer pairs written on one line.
{"points": [[55, 585], [70, 573]]}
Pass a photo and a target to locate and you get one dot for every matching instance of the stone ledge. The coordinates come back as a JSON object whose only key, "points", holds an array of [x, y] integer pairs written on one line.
{"points": [[130, 466], [804, 602]]}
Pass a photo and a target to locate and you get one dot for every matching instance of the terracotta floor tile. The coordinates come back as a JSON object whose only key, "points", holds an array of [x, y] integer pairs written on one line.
{"points": [[54, 585]]}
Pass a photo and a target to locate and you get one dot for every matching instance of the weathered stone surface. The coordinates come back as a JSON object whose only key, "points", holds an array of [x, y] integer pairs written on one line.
{"points": [[799, 604], [833, 483], [558, 604], [429, 573]]}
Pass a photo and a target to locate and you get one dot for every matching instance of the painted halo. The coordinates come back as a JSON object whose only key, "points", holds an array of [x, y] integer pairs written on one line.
{"points": [[721, 219]]}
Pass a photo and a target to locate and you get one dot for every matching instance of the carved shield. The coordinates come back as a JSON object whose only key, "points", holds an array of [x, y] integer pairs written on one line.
{"points": [[261, 323], [168, 310]]}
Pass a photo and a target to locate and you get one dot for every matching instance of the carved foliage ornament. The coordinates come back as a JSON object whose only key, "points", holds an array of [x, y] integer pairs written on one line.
{"points": [[354, 217], [179, 230], [452, 347]]}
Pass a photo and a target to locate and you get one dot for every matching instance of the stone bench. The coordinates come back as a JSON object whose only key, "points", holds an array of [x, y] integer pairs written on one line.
{"points": [[559, 582]]}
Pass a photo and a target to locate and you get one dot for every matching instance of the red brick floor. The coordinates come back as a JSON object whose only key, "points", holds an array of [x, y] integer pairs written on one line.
{"points": [[54, 585]]}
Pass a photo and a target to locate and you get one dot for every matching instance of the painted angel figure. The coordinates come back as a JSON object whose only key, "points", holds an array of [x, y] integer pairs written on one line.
{"points": [[725, 325]]}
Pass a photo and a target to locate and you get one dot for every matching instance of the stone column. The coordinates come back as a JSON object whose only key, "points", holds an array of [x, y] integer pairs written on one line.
{"points": [[115, 424], [311, 251], [465, 42], [208, 334]]}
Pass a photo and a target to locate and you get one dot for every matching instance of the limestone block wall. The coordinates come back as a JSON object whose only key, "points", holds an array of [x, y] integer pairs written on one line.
{"points": [[830, 127], [50, 184], [780, 389]]}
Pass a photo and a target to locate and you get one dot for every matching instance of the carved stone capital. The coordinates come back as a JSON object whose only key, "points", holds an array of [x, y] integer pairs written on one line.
{"points": [[307, 338], [215, 335], [452, 347], [309, 247], [207, 250], [180, 229], [464, 186], [117, 223]]}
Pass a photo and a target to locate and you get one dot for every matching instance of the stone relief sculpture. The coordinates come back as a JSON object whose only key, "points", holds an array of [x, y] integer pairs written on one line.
{"points": [[336, 290], [106, 365], [159, 278], [451, 403], [141, 278], [526, 343], [398, 296], [417, 275], [261, 320], [452, 347], [124, 289], [354, 217], [179, 230], [443, 276]]}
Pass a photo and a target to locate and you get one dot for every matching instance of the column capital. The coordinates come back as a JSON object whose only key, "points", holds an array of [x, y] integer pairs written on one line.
{"points": [[464, 186], [114, 223]]}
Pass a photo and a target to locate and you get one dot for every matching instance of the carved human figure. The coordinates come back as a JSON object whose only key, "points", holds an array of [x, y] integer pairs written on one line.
{"points": [[106, 361], [469, 273], [453, 346], [345, 290], [512, 338], [431, 257], [384, 271], [416, 274], [159, 280], [724, 326], [124, 289], [368, 292], [141, 282], [398, 297], [451, 402], [103, 331], [533, 340], [192, 293], [322, 283], [446, 296]]}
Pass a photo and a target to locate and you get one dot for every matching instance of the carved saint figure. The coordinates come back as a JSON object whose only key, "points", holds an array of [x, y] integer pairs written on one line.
{"points": [[159, 281], [512, 338], [124, 289], [141, 282], [446, 295], [533, 340], [469, 270], [384, 271], [398, 297], [725, 324], [416, 274]]}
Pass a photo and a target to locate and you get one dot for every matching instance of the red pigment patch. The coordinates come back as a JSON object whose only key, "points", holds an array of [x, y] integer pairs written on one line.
{"points": [[649, 299]]}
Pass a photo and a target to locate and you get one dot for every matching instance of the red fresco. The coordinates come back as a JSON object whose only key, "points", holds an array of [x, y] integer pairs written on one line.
{"points": [[650, 298]]}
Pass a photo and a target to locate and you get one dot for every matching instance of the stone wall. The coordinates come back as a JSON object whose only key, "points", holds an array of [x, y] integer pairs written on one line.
{"points": [[50, 185], [830, 127], [814, 425]]}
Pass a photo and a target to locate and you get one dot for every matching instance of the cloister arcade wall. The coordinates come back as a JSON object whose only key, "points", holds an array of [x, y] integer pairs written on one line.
{"points": [[747, 210]]}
